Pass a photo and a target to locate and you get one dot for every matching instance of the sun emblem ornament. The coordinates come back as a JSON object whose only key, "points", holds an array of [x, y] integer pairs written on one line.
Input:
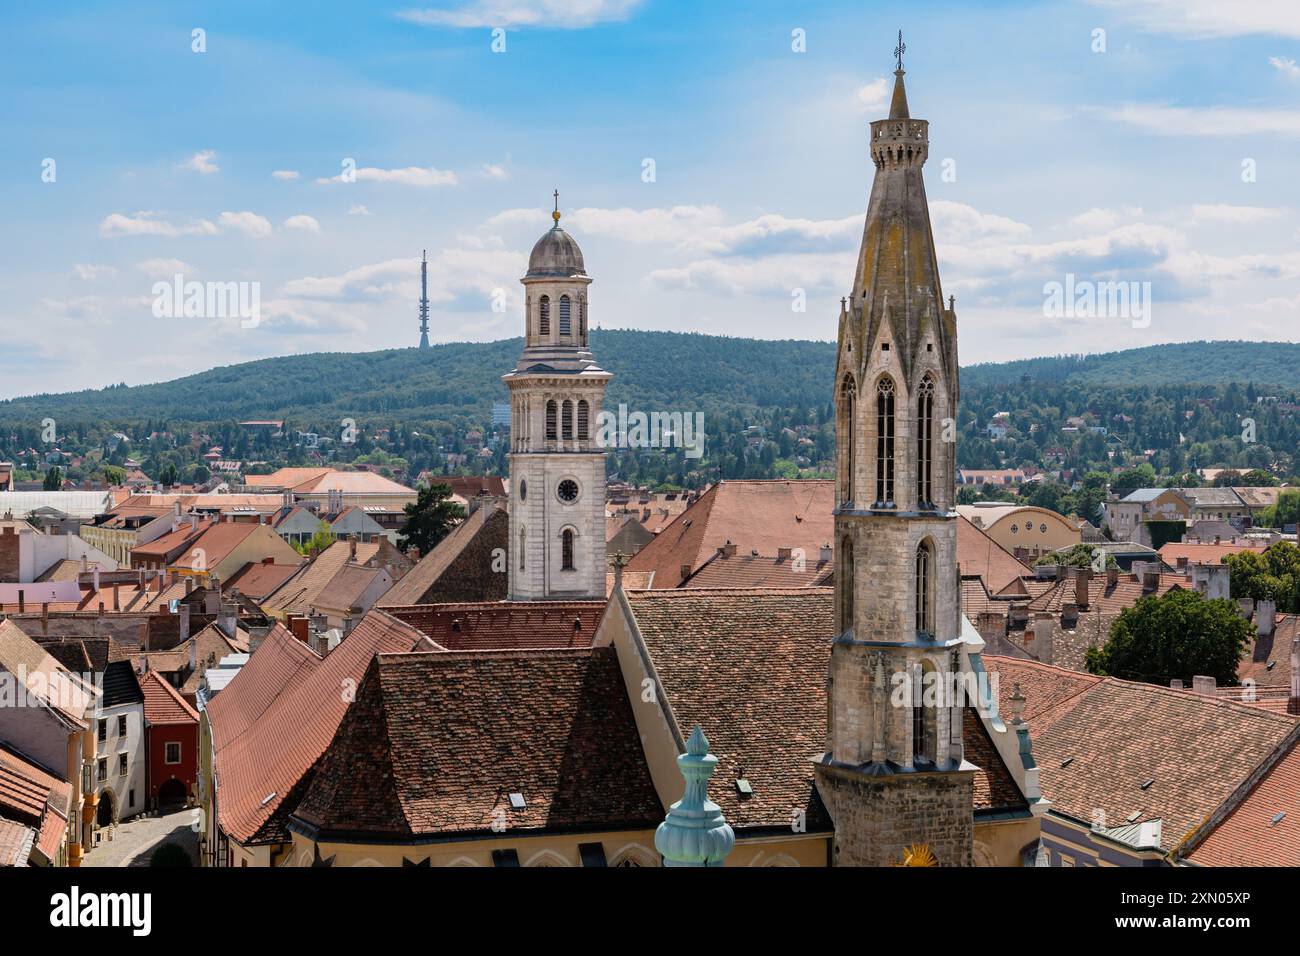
{"points": [[918, 854]]}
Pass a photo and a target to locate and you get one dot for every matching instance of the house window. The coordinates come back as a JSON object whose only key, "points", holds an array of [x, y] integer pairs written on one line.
{"points": [[566, 323], [121, 725], [102, 769], [121, 765], [566, 550], [885, 442], [102, 731], [584, 420], [172, 753], [848, 429], [544, 315], [925, 443], [924, 586], [567, 421], [551, 408]]}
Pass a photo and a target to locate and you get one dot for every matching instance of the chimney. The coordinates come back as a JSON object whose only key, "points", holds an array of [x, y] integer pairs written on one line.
{"points": [[1182, 561], [194, 656], [94, 579], [827, 553], [1265, 617], [1150, 581], [194, 522], [256, 635], [1176, 683], [226, 619], [1043, 648], [990, 624], [144, 635], [117, 597], [1112, 577], [1204, 685], [300, 627], [728, 551], [1082, 585], [1061, 572], [352, 547], [184, 611]]}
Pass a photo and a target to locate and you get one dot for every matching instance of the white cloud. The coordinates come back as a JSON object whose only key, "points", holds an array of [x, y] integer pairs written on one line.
{"points": [[1211, 18], [91, 272], [286, 175], [1206, 120], [1226, 212], [359, 210], [494, 171], [873, 97], [408, 176], [148, 224], [249, 223], [201, 162], [303, 222], [164, 268], [1285, 64], [677, 224], [557, 14]]}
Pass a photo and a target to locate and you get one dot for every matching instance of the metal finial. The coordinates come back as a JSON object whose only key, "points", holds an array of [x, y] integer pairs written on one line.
{"points": [[900, 50], [556, 215]]}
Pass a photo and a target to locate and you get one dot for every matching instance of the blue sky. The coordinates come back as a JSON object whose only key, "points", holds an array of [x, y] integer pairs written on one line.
{"points": [[1124, 164]]}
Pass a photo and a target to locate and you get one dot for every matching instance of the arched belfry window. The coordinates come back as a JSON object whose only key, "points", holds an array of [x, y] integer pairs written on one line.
{"points": [[566, 321], [566, 420], [584, 420], [885, 441], [924, 585], [582, 318], [551, 434], [566, 550], [848, 427], [544, 316], [925, 719], [925, 443]]}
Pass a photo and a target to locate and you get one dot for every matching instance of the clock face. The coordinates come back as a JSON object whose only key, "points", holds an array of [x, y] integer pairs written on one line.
{"points": [[568, 490]]}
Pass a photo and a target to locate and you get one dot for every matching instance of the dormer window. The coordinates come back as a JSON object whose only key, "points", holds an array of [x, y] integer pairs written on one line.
{"points": [[884, 346]]}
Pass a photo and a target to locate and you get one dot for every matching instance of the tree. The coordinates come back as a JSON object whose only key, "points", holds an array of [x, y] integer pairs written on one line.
{"points": [[53, 479], [319, 541], [114, 475], [1285, 512], [1273, 575], [1258, 478], [167, 477], [1180, 635], [430, 518], [1079, 556]]}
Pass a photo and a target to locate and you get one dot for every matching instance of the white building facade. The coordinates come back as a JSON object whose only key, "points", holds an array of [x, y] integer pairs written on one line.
{"points": [[557, 467]]}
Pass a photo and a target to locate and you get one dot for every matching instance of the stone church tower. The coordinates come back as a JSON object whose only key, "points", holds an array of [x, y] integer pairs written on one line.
{"points": [[557, 469], [893, 776]]}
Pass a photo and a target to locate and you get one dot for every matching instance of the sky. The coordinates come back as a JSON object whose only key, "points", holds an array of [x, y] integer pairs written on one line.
{"points": [[711, 160]]}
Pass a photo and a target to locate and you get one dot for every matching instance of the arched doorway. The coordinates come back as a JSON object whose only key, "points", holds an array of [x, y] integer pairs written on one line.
{"points": [[172, 795], [106, 814]]}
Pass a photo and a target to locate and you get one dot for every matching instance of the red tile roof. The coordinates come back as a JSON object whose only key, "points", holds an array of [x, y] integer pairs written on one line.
{"points": [[762, 516], [1263, 827], [163, 704], [555, 726], [505, 624], [748, 571], [1097, 740], [260, 579], [33, 798], [1202, 553], [978, 554], [276, 717]]}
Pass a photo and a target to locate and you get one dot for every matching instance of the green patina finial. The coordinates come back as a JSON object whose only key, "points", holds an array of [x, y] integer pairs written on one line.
{"points": [[695, 833]]}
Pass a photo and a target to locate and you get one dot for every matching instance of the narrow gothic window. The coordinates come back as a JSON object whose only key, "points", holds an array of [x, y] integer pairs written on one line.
{"points": [[925, 443], [582, 319], [918, 725], [566, 550], [848, 430], [544, 323], [924, 585], [523, 541], [847, 580], [566, 421], [565, 319], [885, 441], [584, 425], [550, 420]]}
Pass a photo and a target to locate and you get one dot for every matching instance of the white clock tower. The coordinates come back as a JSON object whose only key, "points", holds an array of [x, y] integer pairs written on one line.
{"points": [[557, 468]]}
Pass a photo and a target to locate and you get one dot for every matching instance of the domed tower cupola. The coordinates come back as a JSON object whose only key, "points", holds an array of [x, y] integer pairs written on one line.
{"points": [[556, 291]]}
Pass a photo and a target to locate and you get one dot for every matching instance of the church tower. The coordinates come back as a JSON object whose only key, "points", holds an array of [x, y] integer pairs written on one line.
{"points": [[893, 777], [557, 467]]}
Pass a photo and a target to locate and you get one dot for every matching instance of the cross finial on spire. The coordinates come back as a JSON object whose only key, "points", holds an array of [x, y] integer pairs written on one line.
{"points": [[900, 50], [556, 215]]}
